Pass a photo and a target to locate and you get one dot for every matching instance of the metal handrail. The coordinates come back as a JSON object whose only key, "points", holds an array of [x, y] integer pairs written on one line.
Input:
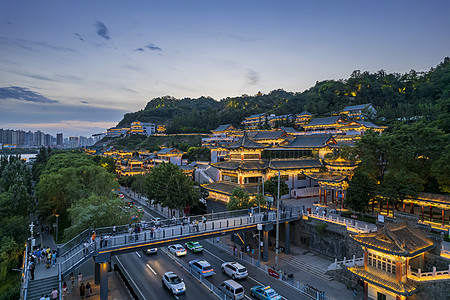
{"points": [[25, 274]]}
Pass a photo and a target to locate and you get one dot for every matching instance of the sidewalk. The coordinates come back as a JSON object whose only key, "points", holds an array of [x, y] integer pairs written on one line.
{"points": [[45, 239], [116, 288]]}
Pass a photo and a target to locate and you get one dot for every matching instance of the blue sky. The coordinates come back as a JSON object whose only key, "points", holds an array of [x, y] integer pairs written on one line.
{"points": [[77, 66]]}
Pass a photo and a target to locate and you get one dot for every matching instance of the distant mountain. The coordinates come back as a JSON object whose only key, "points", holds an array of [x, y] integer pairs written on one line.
{"points": [[395, 96]]}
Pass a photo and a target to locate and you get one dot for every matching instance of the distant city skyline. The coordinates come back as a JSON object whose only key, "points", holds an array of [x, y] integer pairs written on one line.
{"points": [[78, 67]]}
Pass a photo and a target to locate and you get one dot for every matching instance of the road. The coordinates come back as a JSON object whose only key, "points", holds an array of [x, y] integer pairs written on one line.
{"points": [[147, 271]]}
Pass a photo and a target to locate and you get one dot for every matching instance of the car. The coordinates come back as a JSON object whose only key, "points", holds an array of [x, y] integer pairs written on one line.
{"points": [[234, 270], [177, 249], [174, 283], [201, 267], [121, 196], [130, 203], [140, 209], [150, 251], [156, 221], [264, 293], [194, 247]]}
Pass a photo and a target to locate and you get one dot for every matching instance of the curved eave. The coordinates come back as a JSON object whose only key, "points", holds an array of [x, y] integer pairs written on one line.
{"points": [[397, 253]]}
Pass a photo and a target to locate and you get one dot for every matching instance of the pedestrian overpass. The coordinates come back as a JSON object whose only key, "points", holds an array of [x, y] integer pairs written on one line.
{"points": [[172, 231]]}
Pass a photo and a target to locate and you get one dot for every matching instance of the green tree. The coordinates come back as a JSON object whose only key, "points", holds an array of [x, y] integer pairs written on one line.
{"points": [[360, 191], [271, 187], [239, 200], [170, 187], [441, 170]]}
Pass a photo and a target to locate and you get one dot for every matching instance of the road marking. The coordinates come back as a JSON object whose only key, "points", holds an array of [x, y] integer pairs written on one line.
{"points": [[176, 297], [137, 254], [214, 255], [130, 278], [247, 297], [151, 269]]}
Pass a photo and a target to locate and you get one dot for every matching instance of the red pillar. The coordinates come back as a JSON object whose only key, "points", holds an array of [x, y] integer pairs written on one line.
{"points": [[431, 212], [366, 290], [404, 207], [411, 211], [443, 218], [422, 214], [320, 196], [373, 204], [387, 209], [325, 197]]}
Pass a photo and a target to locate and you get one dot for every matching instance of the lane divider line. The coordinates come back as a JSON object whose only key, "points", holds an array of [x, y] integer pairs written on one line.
{"points": [[148, 266], [137, 254], [130, 278]]}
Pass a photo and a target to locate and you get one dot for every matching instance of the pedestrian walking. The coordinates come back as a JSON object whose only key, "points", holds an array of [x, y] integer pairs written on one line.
{"points": [[204, 221], [54, 294], [317, 209], [93, 236], [218, 240], [136, 232], [248, 248], [114, 229], [82, 291], [80, 279], [88, 290], [64, 288], [32, 268], [54, 258], [196, 225], [72, 279], [234, 249]]}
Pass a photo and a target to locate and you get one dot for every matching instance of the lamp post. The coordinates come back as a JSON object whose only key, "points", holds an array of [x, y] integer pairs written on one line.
{"points": [[259, 227], [278, 221]]}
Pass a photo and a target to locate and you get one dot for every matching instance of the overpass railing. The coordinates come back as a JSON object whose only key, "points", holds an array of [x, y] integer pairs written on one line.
{"points": [[131, 240]]}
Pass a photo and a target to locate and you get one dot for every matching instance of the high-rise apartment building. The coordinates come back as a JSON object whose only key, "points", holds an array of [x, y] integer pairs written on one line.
{"points": [[59, 139]]}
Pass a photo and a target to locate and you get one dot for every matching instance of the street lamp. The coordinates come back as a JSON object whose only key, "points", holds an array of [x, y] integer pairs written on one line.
{"points": [[56, 239], [278, 221], [259, 227]]}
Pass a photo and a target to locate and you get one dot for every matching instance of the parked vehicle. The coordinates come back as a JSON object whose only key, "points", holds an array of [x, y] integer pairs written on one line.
{"points": [[234, 270], [177, 249], [156, 221], [174, 283], [232, 289], [264, 293], [194, 247], [202, 267]]}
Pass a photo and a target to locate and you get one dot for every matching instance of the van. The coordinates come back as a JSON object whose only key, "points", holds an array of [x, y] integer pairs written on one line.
{"points": [[232, 289]]}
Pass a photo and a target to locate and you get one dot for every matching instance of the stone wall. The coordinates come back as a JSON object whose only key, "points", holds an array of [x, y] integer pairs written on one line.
{"points": [[438, 289], [432, 260], [325, 238]]}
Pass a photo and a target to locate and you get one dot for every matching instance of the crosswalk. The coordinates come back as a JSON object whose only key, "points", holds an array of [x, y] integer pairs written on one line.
{"points": [[304, 265]]}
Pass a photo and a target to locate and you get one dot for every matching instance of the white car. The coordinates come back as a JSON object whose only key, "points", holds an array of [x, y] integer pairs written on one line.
{"points": [[234, 270], [177, 249], [174, 283]]}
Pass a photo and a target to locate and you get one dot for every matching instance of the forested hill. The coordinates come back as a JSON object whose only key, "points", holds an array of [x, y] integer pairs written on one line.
{"points": [[394, 95]]}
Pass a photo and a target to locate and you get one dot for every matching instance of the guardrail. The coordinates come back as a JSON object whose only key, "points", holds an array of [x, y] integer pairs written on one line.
{"points": [[25, 273], [342, 221], [428, 276], [445, 253], [305, 289], [347, 262]]}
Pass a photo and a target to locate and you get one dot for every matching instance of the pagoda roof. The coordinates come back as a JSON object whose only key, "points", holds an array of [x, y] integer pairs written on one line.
{"points": [[341, 162], [289, 130], [224, 127], [356, 107], [270, 135], [385, 281], [244, 142], [241, 164], [226, 187], [256, 116], [323, 121], [396, 239], [286, 164], [304, 113], [170, 151], [311, 141], [327, 177]]}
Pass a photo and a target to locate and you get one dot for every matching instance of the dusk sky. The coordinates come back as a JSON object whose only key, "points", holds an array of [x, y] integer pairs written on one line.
{"points": [[77, 66]]}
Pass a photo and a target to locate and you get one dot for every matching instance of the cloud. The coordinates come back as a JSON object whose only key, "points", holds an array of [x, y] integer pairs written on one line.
{"points": [[139, 49], [252, 76], [32, 45], [79, 36], [20, 93], [153, 47], [102, 30]]}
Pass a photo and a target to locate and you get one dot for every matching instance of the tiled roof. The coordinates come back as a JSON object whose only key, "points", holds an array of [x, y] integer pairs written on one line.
{"points": [[244, 142], [341, 162], [370, 124], [256, 116], [239, 164], [225, 187], [386, 282], [356, 107], [223, 127], [168, 150], [288, 129], [270, 135], [323, 121], [285, 164], [396, 239], [310, 141], [325, 176], [304, 113]]}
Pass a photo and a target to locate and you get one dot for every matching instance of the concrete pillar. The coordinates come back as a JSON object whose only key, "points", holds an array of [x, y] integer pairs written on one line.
{"points": [[96, 273], [287, 229], [265, 246], [104, 281]]}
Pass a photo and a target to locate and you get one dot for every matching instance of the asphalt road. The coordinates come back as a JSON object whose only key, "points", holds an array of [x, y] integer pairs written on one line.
{"points": [[142, 269]]}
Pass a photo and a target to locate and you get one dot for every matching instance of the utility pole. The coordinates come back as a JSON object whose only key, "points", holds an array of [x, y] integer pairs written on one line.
{"points": [[278, 222]]}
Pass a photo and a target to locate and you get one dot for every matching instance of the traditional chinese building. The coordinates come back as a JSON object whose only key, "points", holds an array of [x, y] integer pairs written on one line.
{"points": [[359, 112], [388, 255]]}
